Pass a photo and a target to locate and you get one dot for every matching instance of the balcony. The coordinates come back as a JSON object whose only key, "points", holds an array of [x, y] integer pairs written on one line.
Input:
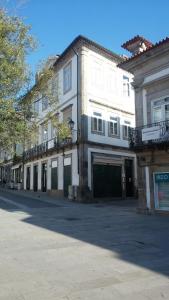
{"points": [[46, 148], [154, 135]]}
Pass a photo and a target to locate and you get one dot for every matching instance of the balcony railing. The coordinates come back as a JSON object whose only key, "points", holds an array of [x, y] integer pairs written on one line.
{"points": [[149, 136], [46, 147]]}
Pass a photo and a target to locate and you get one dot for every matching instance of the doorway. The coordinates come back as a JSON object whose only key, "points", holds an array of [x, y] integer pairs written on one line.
{"points": [[67, 175], [107, 181], [44, 177], [129, 178], [28, 178], [35, 178]]}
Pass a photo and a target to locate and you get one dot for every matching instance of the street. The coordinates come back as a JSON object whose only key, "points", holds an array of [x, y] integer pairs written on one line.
{"points": [[56, 249]]}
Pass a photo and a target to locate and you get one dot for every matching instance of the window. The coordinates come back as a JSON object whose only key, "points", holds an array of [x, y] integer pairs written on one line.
{"points": [[160, 110], [97, 123], [67, 78], [114, 126], [157, 114], [126, 86], [67, 114], [126, 128], [36, 106], [44, 132], [44, 103]]}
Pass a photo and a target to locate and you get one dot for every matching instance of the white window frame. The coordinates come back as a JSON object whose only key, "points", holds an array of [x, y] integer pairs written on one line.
{"points": [[126, 126], [67, 78], [114, 120], [44, 127], [97, 118], [160, 102], [126, 86]]}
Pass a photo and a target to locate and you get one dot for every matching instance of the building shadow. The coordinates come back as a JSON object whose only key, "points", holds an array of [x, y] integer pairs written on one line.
{"points": [[141, 240]]}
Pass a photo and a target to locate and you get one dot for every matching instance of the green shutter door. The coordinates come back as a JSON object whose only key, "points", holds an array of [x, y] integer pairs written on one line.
{"points": [[107, 181], [67, 179], [35, 178], [54, 178]]}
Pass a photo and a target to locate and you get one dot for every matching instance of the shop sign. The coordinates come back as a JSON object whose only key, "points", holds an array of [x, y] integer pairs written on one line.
{"points": [[151, 133], [162, 177]]}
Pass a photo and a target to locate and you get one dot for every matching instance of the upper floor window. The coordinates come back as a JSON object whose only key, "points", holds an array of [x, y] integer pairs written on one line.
{"points": [[114, 127], [67, 78], [160, 110], [97, 123], [44, 132], [54, 124], [36, 106], [67, 114], [126, 86], [126, 128], [44, 103]]}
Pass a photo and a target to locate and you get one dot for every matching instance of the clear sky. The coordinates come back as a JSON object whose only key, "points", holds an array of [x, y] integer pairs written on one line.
{"points": [[55, 23]]}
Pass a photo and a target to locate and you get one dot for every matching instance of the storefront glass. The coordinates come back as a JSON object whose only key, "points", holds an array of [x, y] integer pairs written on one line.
{"points": [[161, 181]]}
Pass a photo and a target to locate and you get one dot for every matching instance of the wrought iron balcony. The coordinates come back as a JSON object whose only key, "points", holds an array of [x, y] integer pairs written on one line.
{"points": [[154, 135], [46, 147]]}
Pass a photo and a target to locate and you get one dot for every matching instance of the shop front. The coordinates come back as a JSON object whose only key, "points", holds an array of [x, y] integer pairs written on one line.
{"points": [[161, 190]]}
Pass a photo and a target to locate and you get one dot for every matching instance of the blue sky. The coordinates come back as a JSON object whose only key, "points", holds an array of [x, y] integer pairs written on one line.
{"points": [[56, 23]]}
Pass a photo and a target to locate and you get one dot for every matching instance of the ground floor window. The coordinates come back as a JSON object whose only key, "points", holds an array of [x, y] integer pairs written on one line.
{"points": [[161, 189]]}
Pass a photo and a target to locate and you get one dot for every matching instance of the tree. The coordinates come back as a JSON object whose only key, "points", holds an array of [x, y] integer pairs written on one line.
{"points": [[18, 121], [15, 44]]}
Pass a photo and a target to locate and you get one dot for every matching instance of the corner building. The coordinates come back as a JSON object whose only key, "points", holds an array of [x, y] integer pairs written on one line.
{"points": [[96, 96]]}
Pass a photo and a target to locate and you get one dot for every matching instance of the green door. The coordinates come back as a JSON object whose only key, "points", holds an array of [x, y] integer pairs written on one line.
{"points": [[44, 178], [28, 178], [54, 178], [35, 178], [107, 181], [67, 179]]}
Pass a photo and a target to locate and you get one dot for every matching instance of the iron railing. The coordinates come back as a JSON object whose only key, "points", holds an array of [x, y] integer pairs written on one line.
{"points": [[151, 135], [46, 147]]}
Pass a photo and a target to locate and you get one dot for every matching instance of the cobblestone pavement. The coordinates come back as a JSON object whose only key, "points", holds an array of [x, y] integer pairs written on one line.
{"points": [[55, 249]]}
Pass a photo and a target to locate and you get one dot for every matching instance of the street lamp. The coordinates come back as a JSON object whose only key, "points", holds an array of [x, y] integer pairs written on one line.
{"points": [[71, 124]]}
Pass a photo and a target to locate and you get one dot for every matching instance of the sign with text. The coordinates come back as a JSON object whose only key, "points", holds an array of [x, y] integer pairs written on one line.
{"points": [[151, 133], [162, 177]]}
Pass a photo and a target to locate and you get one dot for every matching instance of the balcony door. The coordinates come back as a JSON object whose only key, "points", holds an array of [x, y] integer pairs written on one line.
{"points": [[160, 110]]}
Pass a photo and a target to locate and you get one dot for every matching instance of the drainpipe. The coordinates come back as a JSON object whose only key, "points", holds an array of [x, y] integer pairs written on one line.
{"points": [[77, 56]]}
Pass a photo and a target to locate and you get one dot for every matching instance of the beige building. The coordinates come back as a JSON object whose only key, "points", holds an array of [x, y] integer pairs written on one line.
{"points": [[150, 139]]}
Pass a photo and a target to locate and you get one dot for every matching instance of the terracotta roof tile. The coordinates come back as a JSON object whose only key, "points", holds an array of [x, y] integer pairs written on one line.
{"points": [[158, 44], [136, 39]]}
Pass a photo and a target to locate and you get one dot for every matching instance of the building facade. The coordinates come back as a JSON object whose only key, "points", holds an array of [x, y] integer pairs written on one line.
{"points": [[97, 100], [150, 138]]}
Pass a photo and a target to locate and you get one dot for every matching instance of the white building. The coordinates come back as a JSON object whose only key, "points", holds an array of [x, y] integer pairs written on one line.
{"points": [[97, 96]]}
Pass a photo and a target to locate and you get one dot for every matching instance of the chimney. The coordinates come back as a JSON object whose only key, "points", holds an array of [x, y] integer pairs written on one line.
{"points": [[137, 45]]}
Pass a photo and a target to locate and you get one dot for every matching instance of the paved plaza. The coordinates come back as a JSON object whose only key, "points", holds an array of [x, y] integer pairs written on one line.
{"points": [[55, 249]]}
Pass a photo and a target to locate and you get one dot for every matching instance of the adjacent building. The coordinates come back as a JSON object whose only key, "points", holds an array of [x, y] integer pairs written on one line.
{"points": [[150, 139]]}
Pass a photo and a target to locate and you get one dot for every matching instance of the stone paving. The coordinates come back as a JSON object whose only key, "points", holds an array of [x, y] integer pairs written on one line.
{"points": [[55, 249]]}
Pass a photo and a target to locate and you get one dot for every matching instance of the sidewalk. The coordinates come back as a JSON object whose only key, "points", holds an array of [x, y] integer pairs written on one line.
{"points": [[34, 195]]}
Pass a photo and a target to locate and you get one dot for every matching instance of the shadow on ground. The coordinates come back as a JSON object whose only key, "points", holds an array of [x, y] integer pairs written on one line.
{"points": [[138, 239]]}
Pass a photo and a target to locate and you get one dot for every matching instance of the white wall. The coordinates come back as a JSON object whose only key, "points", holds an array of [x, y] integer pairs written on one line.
{"points": [[104, 85], [59, 157]]}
